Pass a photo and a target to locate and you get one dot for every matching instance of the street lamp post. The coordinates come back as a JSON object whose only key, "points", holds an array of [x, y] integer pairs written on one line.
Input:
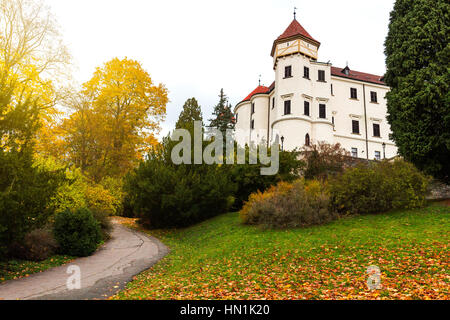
{"points": [[282, 143], [384, 150]]}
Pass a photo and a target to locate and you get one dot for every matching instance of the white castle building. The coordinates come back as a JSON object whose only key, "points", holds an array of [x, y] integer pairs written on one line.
{"points": [[312, 101]]}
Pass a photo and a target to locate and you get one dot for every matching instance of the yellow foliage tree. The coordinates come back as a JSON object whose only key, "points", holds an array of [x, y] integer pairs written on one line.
{"points": [[115, 119], [32, 57]]}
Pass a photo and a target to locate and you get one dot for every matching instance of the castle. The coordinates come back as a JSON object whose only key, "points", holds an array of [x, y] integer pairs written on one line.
{"points": [[312, 101]]}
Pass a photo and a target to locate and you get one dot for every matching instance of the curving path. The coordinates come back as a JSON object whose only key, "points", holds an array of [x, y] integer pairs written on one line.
{"points": [[103, 274]]}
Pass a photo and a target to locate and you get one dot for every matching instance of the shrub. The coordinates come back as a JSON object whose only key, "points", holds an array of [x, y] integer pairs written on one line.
{"points": [[26, 191], [379, 187], [37, 245], [163, 194], [100, 199], [288, 205], [77, 233], [323, 160], [114, 186], [104, 222], [248, 178]]}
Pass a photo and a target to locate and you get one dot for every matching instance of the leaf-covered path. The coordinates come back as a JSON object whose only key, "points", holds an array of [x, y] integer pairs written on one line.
{"points": [[102, 274]]}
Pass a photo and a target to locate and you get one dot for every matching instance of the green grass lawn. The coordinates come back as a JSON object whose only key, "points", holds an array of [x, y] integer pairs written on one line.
{"points": [[14, 269], [222, 259]]}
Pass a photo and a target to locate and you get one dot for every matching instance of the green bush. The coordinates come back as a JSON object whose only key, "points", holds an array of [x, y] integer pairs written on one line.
{"points": [[114, 186], [379, 187], [77, 232], [163, 194], [77, 191], [289, 205], [26, 191], [248, 178]]}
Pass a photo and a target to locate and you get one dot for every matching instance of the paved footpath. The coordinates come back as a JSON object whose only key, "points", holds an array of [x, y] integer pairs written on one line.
{"points": [[107, 271]]}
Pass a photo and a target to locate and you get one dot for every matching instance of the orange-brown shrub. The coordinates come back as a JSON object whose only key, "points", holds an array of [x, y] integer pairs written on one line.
{"points": [[289, 205]]}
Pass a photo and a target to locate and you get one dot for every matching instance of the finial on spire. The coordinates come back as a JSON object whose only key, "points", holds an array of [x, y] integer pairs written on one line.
{"points": [[259, 81], [295, 13]]}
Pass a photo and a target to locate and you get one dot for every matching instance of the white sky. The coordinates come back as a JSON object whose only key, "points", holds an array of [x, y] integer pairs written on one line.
{"points": [[196, 47]]}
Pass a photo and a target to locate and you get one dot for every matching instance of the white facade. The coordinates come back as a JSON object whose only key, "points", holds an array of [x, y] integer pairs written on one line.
{"points": [[351, 102]]}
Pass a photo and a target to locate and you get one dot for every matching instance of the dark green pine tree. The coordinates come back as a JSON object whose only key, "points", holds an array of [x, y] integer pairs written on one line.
{"points": [[417, 52], [223, 117], [191, 112]]}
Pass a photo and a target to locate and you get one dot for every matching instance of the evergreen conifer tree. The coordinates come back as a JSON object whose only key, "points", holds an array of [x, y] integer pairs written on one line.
{"points": [[418, 71]]}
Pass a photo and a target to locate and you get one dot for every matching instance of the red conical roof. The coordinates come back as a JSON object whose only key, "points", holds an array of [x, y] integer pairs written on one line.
{"points": [[295, 29]]}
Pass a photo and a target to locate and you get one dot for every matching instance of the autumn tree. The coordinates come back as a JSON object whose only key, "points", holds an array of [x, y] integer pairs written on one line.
{"points": [[223, 117], [116, 118], [418, 63], [32, 57], [191, 112]]}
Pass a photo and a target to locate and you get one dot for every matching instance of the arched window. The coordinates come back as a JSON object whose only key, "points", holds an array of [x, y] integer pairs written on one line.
{"points": [[307, 140]]}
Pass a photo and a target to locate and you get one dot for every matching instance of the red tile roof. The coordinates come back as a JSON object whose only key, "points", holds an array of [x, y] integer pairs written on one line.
{"points": [[356, 75], [295, 29], [259, 89]]}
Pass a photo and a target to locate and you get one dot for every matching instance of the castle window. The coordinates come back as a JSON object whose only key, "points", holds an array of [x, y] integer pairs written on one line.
{"points": [[287, 107], [332, 121], [307, 140], [332, 90], [355, 152], [306, 108], [288, 72], [237, 117], [321, 75], [355, 126], [306, 72], [253, 108], [273, 102], [322, 111], [376, 130], [373, 97], [377, 155], [252, 124], [353, 93]]}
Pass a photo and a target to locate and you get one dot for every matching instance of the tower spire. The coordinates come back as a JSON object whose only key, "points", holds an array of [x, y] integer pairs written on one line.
{"points": [[295, 13]]}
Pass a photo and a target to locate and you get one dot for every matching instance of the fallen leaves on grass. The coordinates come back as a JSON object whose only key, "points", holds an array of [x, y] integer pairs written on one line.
{"points": [[223, 260]]}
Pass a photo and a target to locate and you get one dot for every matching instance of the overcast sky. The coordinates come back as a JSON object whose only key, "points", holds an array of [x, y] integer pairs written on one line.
{"points": [[196, 47]]}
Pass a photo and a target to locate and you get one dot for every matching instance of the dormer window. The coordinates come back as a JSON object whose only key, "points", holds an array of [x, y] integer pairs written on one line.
{"points": [[346, 71], [288, 71]]}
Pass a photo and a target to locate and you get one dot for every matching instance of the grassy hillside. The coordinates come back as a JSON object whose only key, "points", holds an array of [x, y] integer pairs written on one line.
{"points": [[222, 259]]}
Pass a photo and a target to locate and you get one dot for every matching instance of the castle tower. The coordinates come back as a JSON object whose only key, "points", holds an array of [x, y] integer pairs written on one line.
{"points": [[299, 110]]}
